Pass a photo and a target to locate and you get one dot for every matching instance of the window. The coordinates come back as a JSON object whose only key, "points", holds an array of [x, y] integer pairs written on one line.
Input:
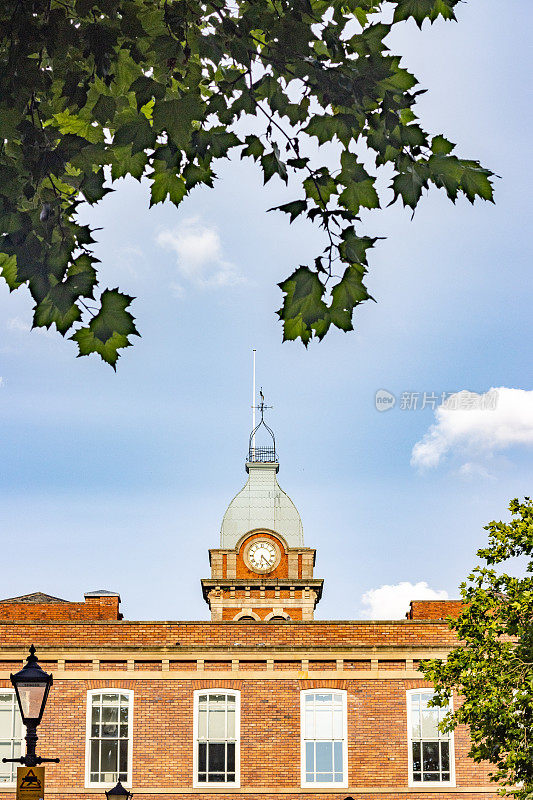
{"points": [[431, 755], [109, 728], [10, 735], [323, 725], [216, 737]]}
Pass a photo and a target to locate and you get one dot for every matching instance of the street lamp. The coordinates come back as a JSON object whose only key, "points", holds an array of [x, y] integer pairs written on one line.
{"points": [[118, 791], [31, 685]]}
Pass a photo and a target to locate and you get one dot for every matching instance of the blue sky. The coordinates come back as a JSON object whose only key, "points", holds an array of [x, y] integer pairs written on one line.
{"points": [[120, 481]]}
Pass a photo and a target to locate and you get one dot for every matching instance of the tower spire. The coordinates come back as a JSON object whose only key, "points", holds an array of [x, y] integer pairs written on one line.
{"points": [[263, 453]]}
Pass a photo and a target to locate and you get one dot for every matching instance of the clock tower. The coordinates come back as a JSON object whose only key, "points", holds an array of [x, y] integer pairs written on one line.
{"points": [[262, 570]]}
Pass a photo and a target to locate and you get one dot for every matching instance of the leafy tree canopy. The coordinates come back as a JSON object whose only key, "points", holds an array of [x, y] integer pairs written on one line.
{"points": [[92, 90], [493, 667]]}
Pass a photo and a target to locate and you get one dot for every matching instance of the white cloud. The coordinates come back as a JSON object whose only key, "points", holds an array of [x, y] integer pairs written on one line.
{"points": [[476, 424], [20, 325], [392, 601], [471, 470], [199, 253]]}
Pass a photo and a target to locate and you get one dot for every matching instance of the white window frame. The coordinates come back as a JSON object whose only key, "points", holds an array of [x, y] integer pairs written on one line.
{"points": [[423, 785], [332, 784], [90, 694], [11, 784], [208, 787]]}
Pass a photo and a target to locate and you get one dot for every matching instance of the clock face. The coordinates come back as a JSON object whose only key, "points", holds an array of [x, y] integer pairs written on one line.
{"points": [[262, 555]]}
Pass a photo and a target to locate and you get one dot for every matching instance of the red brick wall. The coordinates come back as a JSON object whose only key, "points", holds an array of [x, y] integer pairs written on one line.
{"points": [[270, 735], [94, 608], [434, 609]]}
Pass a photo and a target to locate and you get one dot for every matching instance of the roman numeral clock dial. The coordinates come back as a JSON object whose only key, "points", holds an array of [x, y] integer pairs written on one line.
{"points": [[262, 555]]}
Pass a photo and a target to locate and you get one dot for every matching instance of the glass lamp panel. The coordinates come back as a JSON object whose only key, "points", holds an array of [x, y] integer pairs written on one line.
{"points": [[5, 769], [31, 699]]}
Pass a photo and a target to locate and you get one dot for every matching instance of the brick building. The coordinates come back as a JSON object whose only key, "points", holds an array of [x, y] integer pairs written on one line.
{"points": [[261, 700]]}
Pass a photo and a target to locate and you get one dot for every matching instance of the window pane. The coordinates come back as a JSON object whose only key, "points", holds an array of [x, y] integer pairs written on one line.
{"points": [[231, 757], [217, 724], [416, 757], [109, 731], [323, 698], [445, 755], [445, 776], [309, 724], [202, 757], [109, 699], [310, 777], [202, 724], [110, 714], [324, 726], [6, 722], [310, 756], [430, 756], [337, 724], [337, 756], [95, 750], [417, 776], [123, 759], [431, 776], [124, 710], [415, 723], [109, 755], [95, 714], [324, 756], [338, 777], [217, 757], [231, 723]]}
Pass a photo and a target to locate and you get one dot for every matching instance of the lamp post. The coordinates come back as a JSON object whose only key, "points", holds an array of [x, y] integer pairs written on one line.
{"points": [[118, 791], [31, 686]]}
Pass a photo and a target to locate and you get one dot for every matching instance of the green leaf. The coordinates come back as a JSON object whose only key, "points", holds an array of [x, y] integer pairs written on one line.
{"points": [[320, 188], [104, 109], [441, 146], [409, 184], [325, 128], [475, 181], [92, 186], [254, 147], [359, 195], [303, 306], [176, 116], [293, 209], [345, 296], [273, 165], [353, 248], [139, 134], [109, 330], [167, 183], [8, 270], [124, 163], [420, 10]]}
